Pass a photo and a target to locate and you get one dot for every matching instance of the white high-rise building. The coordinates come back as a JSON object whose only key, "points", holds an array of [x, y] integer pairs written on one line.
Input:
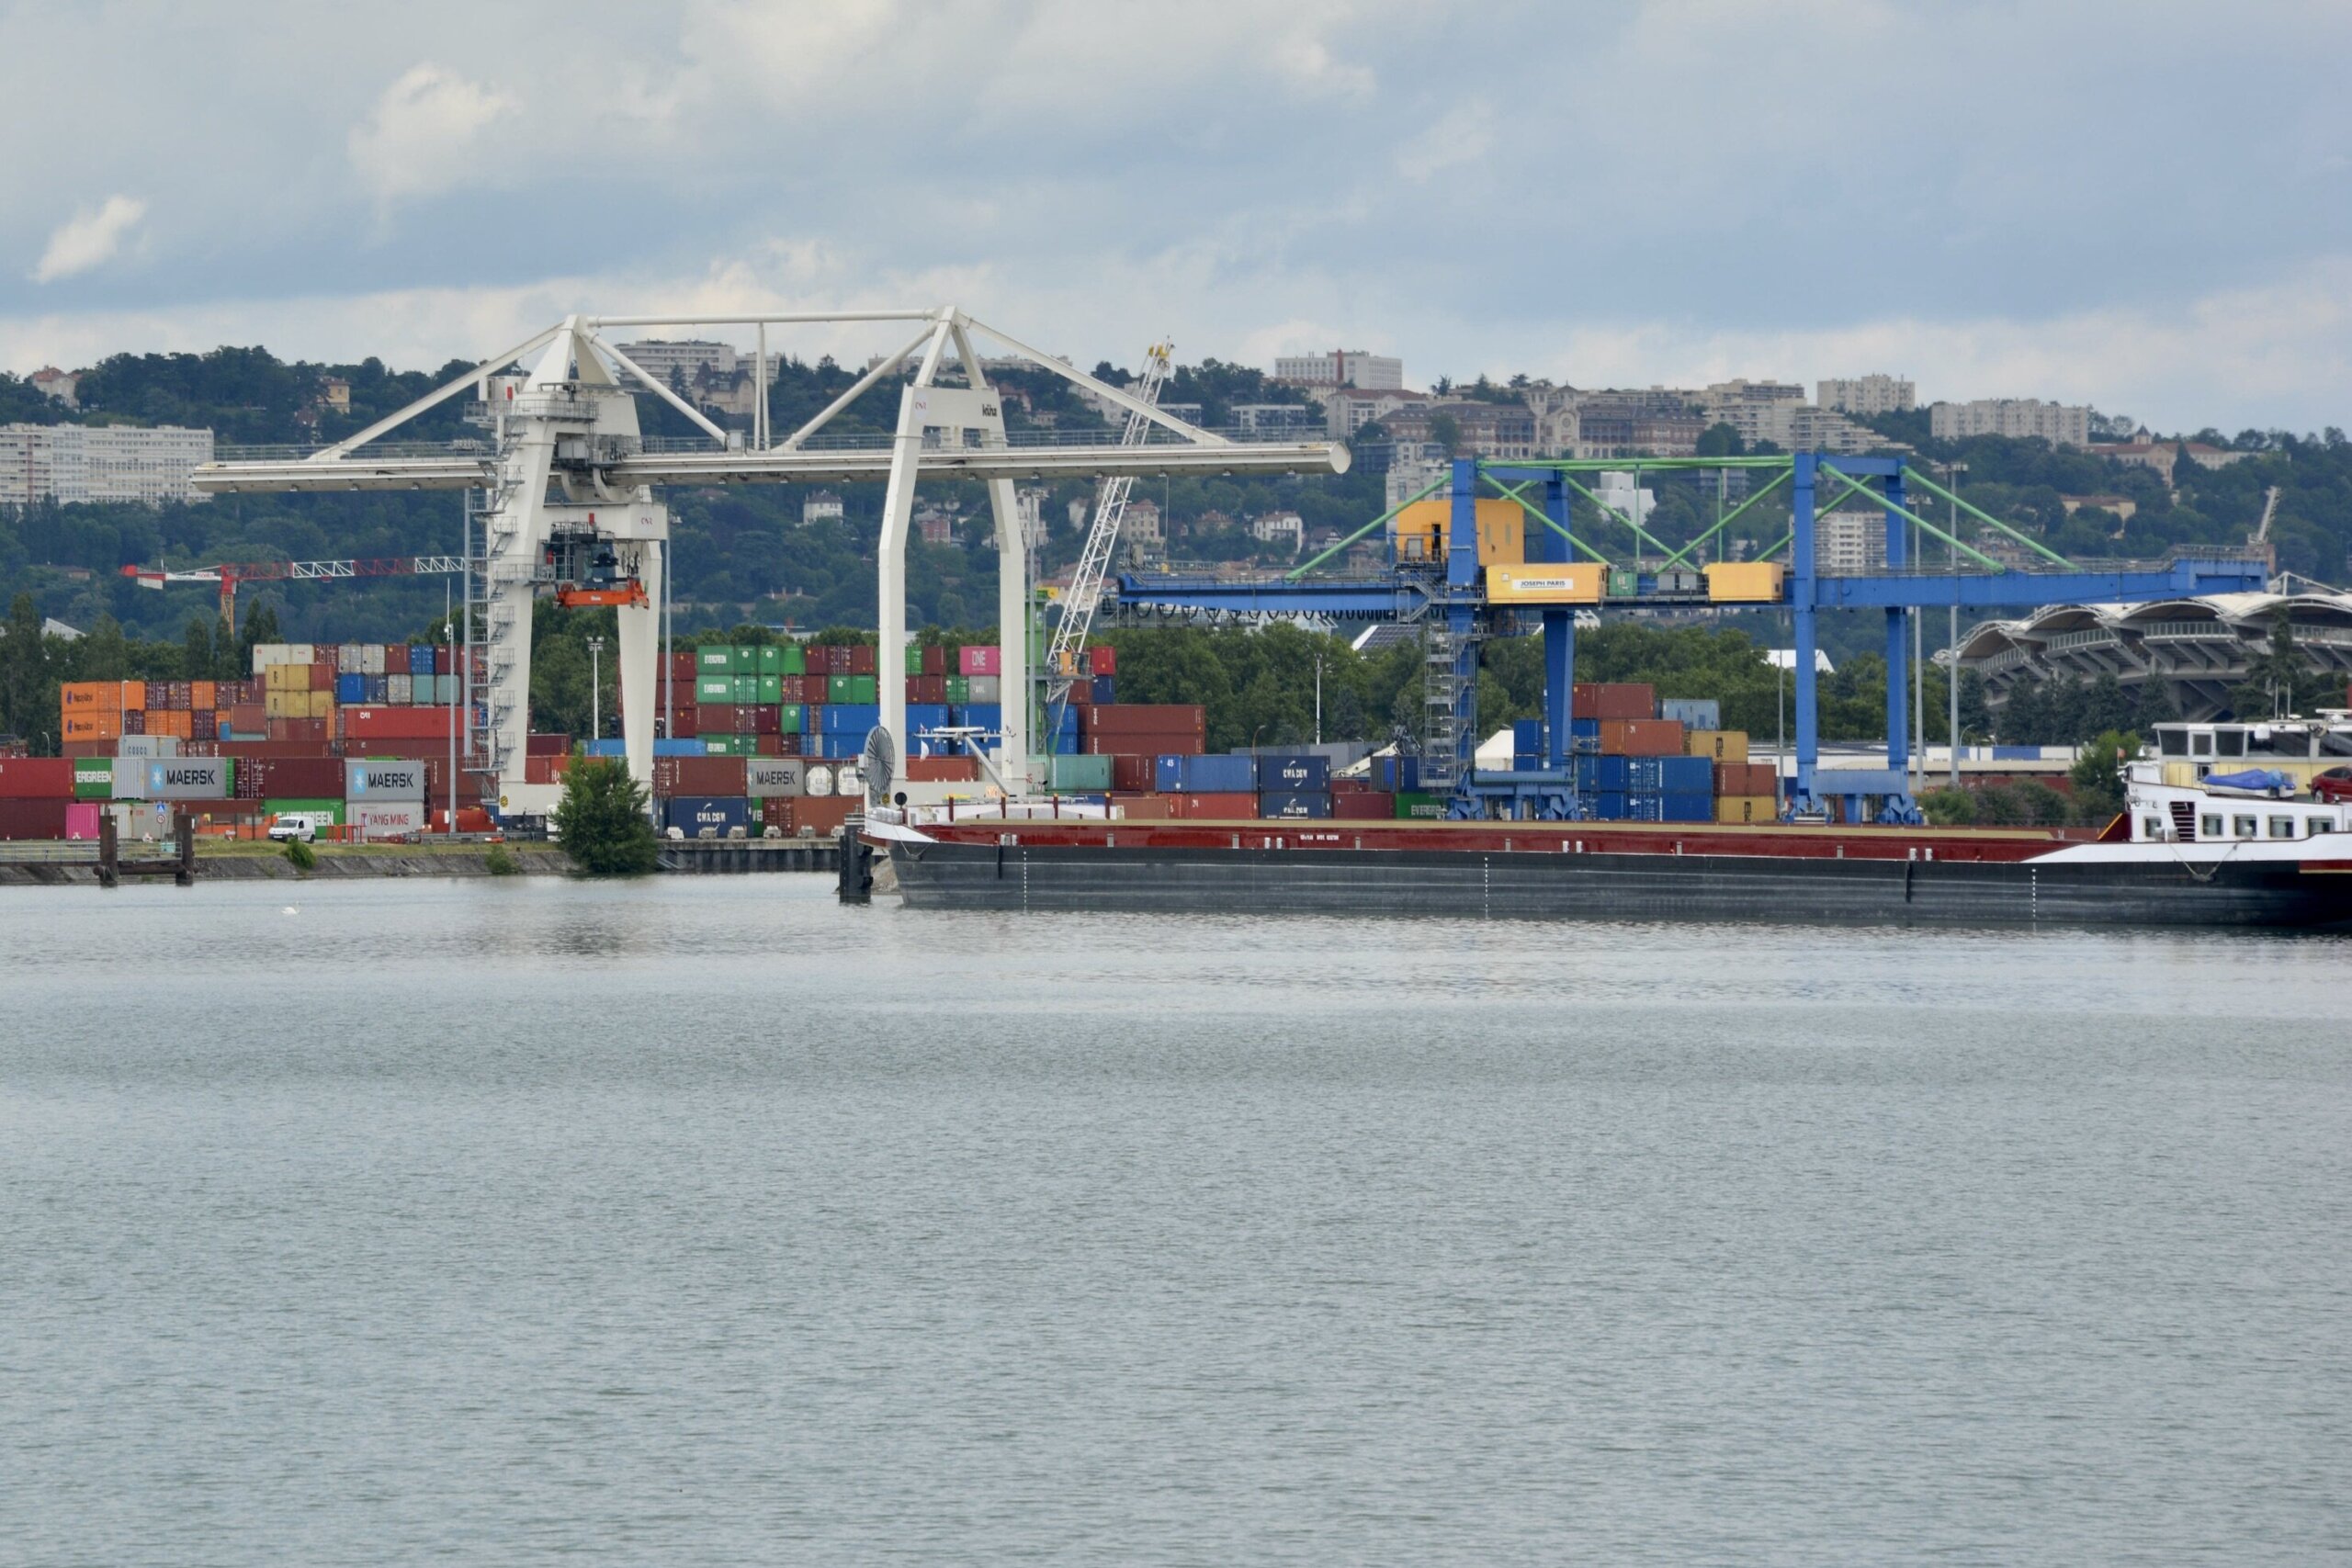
{"points": [[2060, 425], [1342, 368], [121, 463], [1873, 393], [1846, 544]]}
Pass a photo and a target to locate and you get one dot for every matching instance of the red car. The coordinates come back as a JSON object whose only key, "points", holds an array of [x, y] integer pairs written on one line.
{"points": [[2334, 784]]}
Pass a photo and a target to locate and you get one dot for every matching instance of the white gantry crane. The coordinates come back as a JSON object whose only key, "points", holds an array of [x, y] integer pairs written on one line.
{"points": [[570, 508], [1101, 539]]}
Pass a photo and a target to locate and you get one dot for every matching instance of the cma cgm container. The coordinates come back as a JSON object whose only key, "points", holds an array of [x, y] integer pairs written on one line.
{"points": [[720, 815]]}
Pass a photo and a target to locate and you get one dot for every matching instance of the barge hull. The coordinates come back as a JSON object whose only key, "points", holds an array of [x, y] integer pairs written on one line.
{"points": [[1610, 887]]}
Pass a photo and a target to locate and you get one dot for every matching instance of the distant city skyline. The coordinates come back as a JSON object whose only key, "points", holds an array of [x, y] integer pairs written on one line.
{"points": [[427, 184]]}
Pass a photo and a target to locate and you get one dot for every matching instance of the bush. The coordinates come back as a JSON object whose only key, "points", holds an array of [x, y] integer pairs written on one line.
{"points": [[602, 819], [1948, 808], [501, 861], [300, 855]]}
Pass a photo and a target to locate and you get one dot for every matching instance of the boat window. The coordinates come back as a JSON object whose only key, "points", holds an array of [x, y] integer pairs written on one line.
{"points": [[2209, 828], [2282, 826], [2201, 745], [2152, 827], [2231, 741], [2243, 828], [2172, 742]]}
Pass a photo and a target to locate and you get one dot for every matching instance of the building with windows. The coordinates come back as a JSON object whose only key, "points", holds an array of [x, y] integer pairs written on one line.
{"points": [[57, 386], [1483, 429], [2163, 457], [1295, 421], [120, 463], [1284, 529], [1342, 368], [2060, 425], [1849, 543], [1347, 409], [824, 506], [1873, 394]]}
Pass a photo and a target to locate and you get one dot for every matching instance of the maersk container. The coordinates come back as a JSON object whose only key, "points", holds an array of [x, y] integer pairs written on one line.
{"points": [[174, 778], [692, 814], [1294, 803], [765, 778], [1179, 775], [1680, 805], [379, 779], [1297, 773], [1684, 776]]}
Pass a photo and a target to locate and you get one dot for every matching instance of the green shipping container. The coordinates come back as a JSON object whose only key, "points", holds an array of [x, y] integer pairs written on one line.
{"points": [[771, 689], [1090, 776], [714, 689], [791, 719], [715, 660], [771, 660], [1429, 807], [959, 688], [334, 809], [94, 779], [728, 746], [1624, 582], [914, 659], [794, 662], [850, 689]]}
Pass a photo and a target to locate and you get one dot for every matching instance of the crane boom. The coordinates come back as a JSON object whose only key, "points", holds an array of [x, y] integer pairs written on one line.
{"points": [[229, 574], [1095, 560]]}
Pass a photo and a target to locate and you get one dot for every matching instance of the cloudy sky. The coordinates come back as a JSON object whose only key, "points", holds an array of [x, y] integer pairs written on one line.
{"points": [[2147, 206]]}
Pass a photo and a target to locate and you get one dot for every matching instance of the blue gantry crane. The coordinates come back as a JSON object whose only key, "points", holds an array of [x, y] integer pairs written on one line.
{"points": [[1461, 593]]}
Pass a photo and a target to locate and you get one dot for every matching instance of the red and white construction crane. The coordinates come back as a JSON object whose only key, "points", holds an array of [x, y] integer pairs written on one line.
{"points": [[229, 574]]}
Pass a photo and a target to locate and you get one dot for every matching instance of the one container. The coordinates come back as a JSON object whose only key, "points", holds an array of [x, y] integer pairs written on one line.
{"points": [[93, 779], [1685, 775], [1682, 807], [1695, 713], [717, 814], [82, 819], [1180, 774], [1294, 804], [766, 778], [1297, 773], [373, 779], [978, 658], [38, 778], [1218, 807], [1065, 774], [388, 819]]}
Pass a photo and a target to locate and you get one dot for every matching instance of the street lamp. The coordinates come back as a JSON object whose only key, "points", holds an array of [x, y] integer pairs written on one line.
{"points": [[595, 689], [1952, 664]]}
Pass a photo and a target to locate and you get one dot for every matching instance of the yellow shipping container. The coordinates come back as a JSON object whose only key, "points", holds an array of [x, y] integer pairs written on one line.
{"points": [[1502, 531], [287, 678], [1745, 581], [1722, 745], [283, 704], [320, 705], [1747, 808], [1569, 582]]}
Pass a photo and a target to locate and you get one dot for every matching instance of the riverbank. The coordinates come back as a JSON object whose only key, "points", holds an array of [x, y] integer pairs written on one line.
{"points": [[251, 862]]}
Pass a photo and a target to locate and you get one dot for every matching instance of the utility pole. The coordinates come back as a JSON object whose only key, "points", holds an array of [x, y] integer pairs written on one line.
{"points": [[595, 689], [1318, 699]]}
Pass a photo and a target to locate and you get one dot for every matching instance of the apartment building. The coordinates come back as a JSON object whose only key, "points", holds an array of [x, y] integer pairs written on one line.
{"points": [[1875, 393], [2060, 425], [1342, 368], [115, 463], [1848, 543]]}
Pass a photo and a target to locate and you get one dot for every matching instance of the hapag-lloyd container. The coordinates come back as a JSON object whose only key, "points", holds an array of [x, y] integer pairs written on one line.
{"points": [[373, 779]]}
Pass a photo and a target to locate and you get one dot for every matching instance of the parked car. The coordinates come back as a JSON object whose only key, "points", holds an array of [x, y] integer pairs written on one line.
{"points": [[288, 826], [2335, 783]]}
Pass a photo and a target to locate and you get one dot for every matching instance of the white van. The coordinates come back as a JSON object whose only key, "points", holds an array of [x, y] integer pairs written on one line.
{"points": [[302, 825]]}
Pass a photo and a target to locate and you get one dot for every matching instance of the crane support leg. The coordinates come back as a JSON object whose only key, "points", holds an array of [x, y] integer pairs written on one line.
{"points": [[1559, 640], [1013, 637], [639, 650], [1801, 676]]}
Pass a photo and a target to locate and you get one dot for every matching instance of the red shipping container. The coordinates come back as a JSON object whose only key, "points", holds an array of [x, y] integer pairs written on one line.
{"points": [[36, 778], [685, 722], [1214, 807], [822, 815], [926, 688], [1146, 719], [396, 658], [392, 724], [322, 674], [935, 660], [1102, 660], [34, 818], [1363, 806], [978, 658], [203, 725], [1614, 700], [860, 659], [303, 778], [697, 775], [776, 744], [134, 721], [1144, 807], [1642, 737], [943, 769], [1134, 774], [1173, 742], [545, 745]]}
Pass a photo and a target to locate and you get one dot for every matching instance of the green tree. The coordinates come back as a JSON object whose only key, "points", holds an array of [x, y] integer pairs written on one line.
{"points": [[602, 819], [1719, 441], [2098, 775], [1446, 431], [195, 657], [103, 654], [25, 675]]}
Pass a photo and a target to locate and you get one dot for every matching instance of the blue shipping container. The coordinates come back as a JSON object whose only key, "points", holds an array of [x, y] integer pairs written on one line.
{"points": [[661, 749], [1643, 773], [1685, 775], [1588, 774], [980, 715], [1696, 713], [1610, 774], [1610, 805], [1105, 689], [1205, 776], [924, 716], [1527, 737], [690, 814], [351, 690], [1294, 804], [420, 659], [1301, 773], [1646, 807], [1682, 807], [852, 718], [1585, 728]]}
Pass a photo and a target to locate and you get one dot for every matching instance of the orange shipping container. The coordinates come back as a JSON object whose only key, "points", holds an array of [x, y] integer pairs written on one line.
{"points": [[203, 695], [90, 696], [1641, 737], [92, 725], [134, 695]]}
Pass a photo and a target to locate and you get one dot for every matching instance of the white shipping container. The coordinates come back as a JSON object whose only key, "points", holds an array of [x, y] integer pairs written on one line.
{"points": [[371, 658], [148, 746], [986, 688], [819, 779], [399, 690], [388, 822], [764, 777]]}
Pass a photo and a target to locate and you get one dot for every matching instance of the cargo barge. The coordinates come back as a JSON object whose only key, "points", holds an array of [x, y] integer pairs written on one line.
{"points": [[2177, 857]]}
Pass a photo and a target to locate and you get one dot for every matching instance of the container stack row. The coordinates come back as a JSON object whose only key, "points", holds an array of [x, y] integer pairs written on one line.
{"points": [[1637, 759]]}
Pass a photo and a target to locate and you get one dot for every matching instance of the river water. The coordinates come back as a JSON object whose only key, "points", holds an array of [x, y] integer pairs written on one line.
{"points": [[703, 1221]]}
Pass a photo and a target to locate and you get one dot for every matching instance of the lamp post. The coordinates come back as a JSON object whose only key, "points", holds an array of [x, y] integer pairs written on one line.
{"points": [[1952, 664], [595, 689]]}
